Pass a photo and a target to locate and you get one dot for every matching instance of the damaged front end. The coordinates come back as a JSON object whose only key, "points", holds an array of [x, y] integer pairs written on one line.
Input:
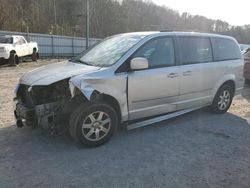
{"points": [[46, 106]]}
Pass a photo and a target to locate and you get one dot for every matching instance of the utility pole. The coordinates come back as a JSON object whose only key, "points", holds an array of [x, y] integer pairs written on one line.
{"points": [[87, 24], [54, 4]]}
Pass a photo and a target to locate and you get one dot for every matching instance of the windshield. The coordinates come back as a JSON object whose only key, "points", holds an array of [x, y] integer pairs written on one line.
{"points": [[6, 40], [110, 50]]}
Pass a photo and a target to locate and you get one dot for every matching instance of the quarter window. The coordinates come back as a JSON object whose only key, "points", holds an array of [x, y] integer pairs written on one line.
{"points": [[225, 49], [159, 52], [195, 50]]}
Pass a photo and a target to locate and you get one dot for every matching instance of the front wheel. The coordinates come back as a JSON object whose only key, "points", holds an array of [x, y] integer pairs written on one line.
{"points": [[222, 100], [13, 59], [93, 124]]}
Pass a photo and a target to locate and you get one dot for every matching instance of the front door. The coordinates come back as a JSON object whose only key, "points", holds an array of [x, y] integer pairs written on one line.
{"points": [[155, 90], [21, 48]]}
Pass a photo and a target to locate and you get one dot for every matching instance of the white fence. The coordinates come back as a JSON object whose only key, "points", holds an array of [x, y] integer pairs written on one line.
{"points": [[55, 45]]}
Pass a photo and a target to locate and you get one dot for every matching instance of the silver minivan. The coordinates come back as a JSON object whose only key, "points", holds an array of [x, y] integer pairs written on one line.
{"points": [[131, 79]]}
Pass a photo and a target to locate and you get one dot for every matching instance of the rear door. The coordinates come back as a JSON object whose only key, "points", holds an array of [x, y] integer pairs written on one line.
{"points": [[199, 73], [155, 90]]}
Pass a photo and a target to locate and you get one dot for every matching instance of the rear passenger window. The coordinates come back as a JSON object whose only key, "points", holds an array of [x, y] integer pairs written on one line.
{"points": [[225, 49], [195, 50]]}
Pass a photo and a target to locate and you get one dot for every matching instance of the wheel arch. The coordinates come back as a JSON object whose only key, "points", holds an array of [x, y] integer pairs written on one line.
{"points": [[229, 80], [96, 96], [112, 102], [13, 51], [108, 90], [230, 83]]}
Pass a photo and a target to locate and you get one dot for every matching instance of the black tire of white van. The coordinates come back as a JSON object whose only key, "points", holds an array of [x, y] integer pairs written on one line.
{"points": [[34, 55], [13, 59], [221, 97], [81, 114]]}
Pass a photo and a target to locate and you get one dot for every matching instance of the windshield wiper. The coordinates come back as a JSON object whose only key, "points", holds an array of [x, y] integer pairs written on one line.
{"points": [[79, 61]]}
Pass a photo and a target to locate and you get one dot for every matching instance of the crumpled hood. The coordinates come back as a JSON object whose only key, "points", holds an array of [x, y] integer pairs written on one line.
{"points": [[52, 73]]}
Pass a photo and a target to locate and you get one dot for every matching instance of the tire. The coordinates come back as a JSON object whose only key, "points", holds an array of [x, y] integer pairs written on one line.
{"points": [[93, 124], [222, 100], [13, 59], [34, 55]]}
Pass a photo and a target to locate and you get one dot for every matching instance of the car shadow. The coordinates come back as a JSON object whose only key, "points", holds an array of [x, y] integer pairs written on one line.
{"points": [[200, 120]]}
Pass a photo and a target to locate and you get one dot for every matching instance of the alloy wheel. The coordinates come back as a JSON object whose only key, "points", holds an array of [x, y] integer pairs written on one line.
{"points": [[224, 100], [96, 126]]}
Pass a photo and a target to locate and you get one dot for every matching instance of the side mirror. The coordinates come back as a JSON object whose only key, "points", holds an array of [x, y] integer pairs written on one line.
{"points": [[138, 63]]}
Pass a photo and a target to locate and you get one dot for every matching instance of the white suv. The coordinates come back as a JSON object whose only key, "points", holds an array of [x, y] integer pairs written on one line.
{"points": [[133, 79]]}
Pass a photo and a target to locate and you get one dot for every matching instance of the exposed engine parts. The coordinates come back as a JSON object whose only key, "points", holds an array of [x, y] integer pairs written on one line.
{"points": [[43, 105]]}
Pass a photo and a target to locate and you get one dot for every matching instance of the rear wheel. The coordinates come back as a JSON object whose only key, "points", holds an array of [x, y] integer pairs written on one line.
{"points": [[34, 55], [222, 100], [13, 59], [93, 124]]}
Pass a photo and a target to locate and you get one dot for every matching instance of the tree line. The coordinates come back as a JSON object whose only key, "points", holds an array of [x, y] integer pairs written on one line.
{"points": [[107, 17]]}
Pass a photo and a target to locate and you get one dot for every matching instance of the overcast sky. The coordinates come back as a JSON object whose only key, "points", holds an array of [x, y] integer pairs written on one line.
{"points": [[232, 11]]}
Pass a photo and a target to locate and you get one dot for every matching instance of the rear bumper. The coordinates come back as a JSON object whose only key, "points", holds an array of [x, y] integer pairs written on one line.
{"points": [[247, 76], [247, 69]]}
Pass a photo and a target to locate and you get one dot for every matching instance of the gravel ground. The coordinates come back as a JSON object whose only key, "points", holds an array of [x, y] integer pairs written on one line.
{"points": [[194, 150]]}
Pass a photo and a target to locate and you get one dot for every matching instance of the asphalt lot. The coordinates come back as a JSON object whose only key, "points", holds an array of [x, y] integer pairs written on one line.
{"points": [[194, 150]]}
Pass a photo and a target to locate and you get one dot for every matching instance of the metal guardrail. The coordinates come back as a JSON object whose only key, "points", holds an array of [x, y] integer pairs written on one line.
{"points": [[56, 45]]}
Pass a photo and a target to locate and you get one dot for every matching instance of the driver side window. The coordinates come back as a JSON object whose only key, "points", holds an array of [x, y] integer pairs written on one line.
{"points": [[159, 52]]}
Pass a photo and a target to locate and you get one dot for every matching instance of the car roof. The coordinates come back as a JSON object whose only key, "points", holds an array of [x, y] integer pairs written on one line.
{"points": [[179, 33]]}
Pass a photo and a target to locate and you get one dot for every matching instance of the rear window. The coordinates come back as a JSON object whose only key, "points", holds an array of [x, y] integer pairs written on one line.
{"points": [[6, 40], [195, 50], [225, 49]]}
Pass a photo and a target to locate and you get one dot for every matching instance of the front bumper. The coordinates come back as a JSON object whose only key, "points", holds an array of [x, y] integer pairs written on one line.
{"points": [[45, 115], [24, 115], [4, 55]]}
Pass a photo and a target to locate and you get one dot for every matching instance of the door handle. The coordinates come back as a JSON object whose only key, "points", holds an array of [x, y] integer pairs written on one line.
{"points": [[187, 73], [173, 75]]}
